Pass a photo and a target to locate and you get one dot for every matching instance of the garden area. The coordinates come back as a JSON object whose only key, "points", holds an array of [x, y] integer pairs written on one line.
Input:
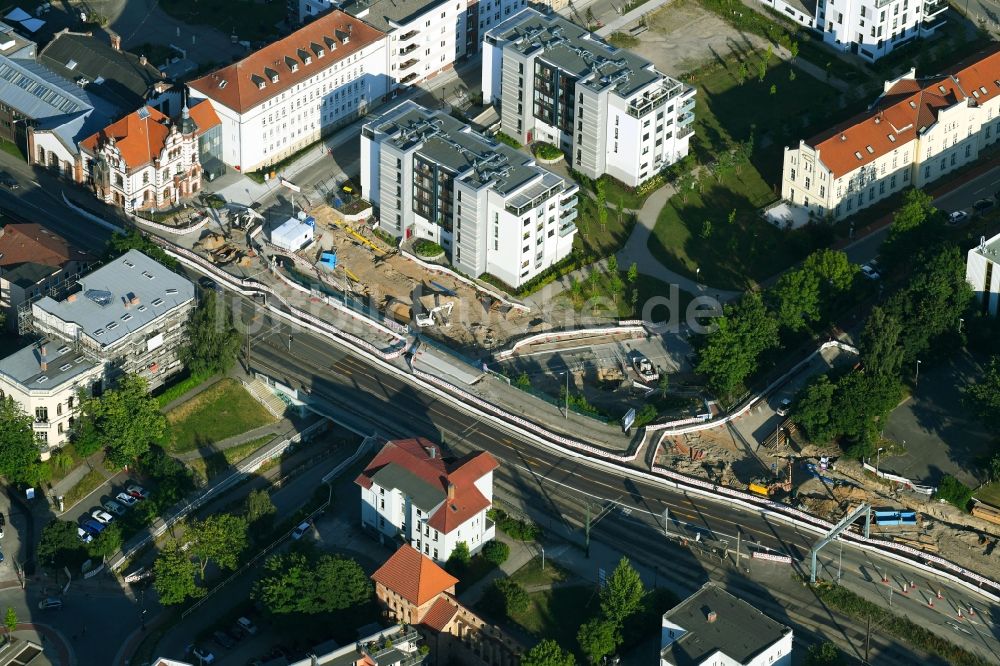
{"points": [[223, 410], [207, 468], [254, 20]]}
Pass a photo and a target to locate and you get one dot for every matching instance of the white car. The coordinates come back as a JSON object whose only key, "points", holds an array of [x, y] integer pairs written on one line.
{"points": [[784, 407], [84, 535], [102, 516], [126, 499], [957, 217], [299, 531], [869, 272]]}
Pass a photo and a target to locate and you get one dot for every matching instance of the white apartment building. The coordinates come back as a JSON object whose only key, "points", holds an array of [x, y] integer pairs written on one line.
{"points": [[421, 22], [609, 110], [131, 313], [489, 206], [409, 491], [982, 271], [868, 28], [916, 132], [45, 379], [714, 628], [291, 93]]}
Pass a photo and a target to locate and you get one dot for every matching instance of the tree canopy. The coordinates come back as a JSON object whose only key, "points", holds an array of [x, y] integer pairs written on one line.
{"points": [[804, 296], [126, 419], [731, 353], [294, 583], [984, 395], [18, 446], [213, 341], [220, 538], [547, 653], [598, 638], [59, 545], [622, 594], [174, 576], [133, 240]]}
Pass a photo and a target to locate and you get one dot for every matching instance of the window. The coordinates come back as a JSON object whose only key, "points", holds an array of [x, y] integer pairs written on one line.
{"points": [[807, 182], [41, 414], [793, 174], [927, 171], [822, 191]]}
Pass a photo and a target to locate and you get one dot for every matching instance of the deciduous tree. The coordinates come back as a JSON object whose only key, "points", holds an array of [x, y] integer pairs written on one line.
{"points": [[60, 546], [814, 409], [258, 506], [294, 584], [219, 538], [18, 447], [126, 419], [213, 341], [731, 353], [547, 653], [174, 576], [598, 638], [622, 594], [107, 542]]}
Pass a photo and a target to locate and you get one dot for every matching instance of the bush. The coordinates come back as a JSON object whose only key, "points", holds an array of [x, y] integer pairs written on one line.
{"points": [[645, 416], [546, 151], [522, 530], [427, 248], [496, 552], [623, 40], [954, 491], [515, 599], [503, 137]]}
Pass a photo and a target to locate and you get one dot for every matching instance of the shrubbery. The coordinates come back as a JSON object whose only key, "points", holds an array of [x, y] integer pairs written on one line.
{"points": [[496, 552], [522, 530], [427, 248], [503, 137], [954, 491], [546, 151], [515, 599]]}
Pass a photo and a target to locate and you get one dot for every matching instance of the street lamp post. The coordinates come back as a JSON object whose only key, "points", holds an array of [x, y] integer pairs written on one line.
{"points": [[878, 455], [960, 322], [916, 379], [566, 412]]}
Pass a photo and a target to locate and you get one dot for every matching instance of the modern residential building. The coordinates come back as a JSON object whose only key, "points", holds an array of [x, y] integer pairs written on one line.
{"points": [[131, 314], [983, 272], [34, 262], [45, 379], [97, 64], [289, 94], [46, 115], [409, 492], [489, 206], [713, 627], [609, 110], [417, 592], [868, 28], [146, 160], [917, 131]]}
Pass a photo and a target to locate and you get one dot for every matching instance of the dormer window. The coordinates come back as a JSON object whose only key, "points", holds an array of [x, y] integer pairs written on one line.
{"points": [[858, 155], [271, 74], [258, 81], [317, 49], [330, 44], [913, 104], [942, 89], [292, 65], [871, 151], [892, 137]]}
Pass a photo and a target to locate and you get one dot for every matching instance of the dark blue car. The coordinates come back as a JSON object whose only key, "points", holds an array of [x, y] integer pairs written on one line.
{"points": [[92, 526]]}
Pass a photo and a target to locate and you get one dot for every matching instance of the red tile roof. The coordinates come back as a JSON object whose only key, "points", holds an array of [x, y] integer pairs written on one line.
{"points": [[468, 501], [20, 243], [473, 467], [413, 576], [440, 613], [204, 116], [905, 108], [140, 141], [336, 35], [413, 455]]}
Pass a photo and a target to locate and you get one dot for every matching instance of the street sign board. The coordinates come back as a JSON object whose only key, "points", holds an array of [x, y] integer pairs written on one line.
{"points": [[628, 419]]}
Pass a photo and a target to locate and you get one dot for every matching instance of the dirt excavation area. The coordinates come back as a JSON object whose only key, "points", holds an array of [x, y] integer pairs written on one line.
{"points": [[373, 271], [720, 455]]}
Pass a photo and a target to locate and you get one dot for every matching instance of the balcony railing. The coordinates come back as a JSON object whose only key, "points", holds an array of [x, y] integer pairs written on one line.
{"points": [[408, 49], [411, 34], [685, 119], [686, 130], [409, 63], [934, 8]]}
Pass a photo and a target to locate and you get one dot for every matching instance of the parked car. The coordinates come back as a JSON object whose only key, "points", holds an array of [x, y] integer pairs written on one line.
{"points": [[113, 507], [50, 603], [784, 407], [137, 492], [247, 626], [201, 654], [983, 205], [957, 217], [84, 535], [126, 499], [223, 640], [9, 181], [92, 526], [299, 531], [208, 284], [102, 516], [3, 524], [870, 272]]}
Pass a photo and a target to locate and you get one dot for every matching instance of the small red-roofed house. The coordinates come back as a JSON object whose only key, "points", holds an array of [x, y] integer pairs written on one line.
{"points": [[415, 591], [410, 491]]}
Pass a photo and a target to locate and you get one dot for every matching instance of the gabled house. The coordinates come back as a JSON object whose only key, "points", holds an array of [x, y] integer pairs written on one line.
{"points": [[410, 491]]}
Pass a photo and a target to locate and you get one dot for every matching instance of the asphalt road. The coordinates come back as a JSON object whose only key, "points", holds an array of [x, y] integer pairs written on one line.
{"points": [[555, 484]]}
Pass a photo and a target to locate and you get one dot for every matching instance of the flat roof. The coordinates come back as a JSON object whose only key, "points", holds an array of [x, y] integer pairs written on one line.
{"points": [[989, 248], [383, 13], [563, 44], [471, 157], [63, 365], [738, 630], [122, 296]]}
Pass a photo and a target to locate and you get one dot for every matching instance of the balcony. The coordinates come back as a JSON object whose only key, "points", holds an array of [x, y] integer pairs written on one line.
{"points": [[934, 8], [685, 131], [409, 49], [408, 64], [567, 216], [930, 26], [685, 119], [410, 35], [688, 105]]}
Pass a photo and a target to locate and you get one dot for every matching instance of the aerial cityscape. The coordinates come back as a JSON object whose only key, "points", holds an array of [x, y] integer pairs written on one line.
{"points": [[499, 333]]}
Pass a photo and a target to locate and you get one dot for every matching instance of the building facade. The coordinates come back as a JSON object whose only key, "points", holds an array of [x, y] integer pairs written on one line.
{"points": [[712, 627], [34, 262], [289, 94], [610, 111], [982, 271], [489, 206], [409, 492], [45, 379], [870, 29], [415, 591], [131, 314], [918, 131], [146, 160]]}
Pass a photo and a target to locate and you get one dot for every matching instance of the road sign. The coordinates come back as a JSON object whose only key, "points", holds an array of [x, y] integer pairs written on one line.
{"points": [[290, 185], [628, 419]]}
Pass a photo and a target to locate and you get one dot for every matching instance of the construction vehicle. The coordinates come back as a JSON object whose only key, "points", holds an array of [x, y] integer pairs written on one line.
{"points": [[442, 312], [767, 489], [644, 367]]}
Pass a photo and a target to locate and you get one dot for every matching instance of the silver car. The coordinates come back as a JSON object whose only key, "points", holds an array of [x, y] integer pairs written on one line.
{"points": [[114, 507]]}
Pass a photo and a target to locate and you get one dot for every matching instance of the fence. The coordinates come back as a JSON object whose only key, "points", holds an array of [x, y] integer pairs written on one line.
{"points": [[242, 470], [478, 286], [895, 478], [562, 335]]}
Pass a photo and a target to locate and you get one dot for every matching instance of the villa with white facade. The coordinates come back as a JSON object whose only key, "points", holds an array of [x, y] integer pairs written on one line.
{"points": [[409, 491]]}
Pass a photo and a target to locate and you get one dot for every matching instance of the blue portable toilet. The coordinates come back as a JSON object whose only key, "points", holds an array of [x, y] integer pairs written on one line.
{"points": [[328, 260]]}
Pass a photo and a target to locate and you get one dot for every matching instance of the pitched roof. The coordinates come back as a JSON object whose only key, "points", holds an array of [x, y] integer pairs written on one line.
{"points": [[466, 503], [413, 576], [21, 243], [739, 630], [140, 141], [440, 613], [291, 60], [907, 107], [118, 76], [203, 114]]}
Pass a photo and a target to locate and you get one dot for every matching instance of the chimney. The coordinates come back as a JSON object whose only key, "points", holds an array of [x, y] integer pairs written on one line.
{"points": [[711, 616], [432, 452], [116, 41], [451, 491], [44, 364], [142, 60]]}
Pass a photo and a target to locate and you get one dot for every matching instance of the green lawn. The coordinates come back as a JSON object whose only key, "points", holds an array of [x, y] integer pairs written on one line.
{"points": [[253, 20], [533, 574], [990, 494], [83, 487], [477, 568], [558, 613], [224, 410], [218, 463], [594, 240], [11, 149]]}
